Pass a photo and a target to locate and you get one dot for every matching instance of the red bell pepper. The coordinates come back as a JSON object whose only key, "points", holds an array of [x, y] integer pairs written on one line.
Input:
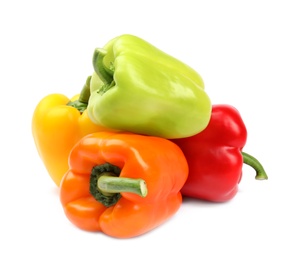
{"points": [[215, 157]]}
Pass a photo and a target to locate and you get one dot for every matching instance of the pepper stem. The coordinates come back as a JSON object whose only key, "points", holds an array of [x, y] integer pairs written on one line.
{"points": [[85, 92], [254, 163], [109, 184], [105, 74], [106, 185], [82, 102]]}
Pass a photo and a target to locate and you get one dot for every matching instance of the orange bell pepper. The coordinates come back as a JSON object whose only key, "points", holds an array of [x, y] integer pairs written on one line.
{"points": [[57, 124], [123, 184]]}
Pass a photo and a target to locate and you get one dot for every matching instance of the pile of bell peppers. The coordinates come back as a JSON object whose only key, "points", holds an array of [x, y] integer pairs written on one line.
{"points": [[141, 135]]}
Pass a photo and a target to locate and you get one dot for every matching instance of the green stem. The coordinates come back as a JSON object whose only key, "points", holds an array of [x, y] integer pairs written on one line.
{"points": [[85, 92], [106, 185], [82, 102], [104, 73], [109, 184], [254, 163]]}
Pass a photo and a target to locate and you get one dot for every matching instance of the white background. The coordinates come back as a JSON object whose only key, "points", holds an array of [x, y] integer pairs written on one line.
{"points": [[243, 51]]}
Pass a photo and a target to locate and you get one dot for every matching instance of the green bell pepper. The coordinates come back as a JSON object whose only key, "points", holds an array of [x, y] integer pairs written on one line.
{"points": [[138, 88]]}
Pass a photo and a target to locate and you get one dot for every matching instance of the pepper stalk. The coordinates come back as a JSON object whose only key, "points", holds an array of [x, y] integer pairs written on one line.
{"points": [[106, 185], [104, 73], [256, 165], [82, 102]]}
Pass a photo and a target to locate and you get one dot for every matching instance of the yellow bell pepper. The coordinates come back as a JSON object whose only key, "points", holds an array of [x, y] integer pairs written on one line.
{"points": [[57, 124]]}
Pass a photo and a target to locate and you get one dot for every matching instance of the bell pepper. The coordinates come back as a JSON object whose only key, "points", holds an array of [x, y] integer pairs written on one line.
{"points": [[138, 88], [215, 157], [57, 124], [123, 184]]}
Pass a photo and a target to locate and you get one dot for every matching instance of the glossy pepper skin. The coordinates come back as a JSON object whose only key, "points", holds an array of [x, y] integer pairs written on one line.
{"points": [[57, 124], [215, 157], [139, 88], [158, 162]]}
